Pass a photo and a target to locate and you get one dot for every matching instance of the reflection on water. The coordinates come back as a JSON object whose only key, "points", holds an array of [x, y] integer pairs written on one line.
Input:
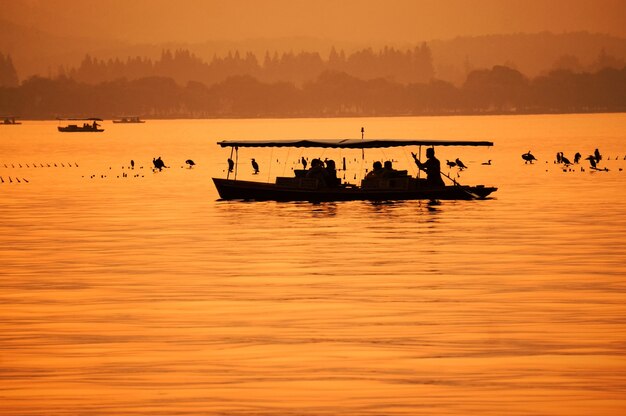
{"points": [[146, 295]]}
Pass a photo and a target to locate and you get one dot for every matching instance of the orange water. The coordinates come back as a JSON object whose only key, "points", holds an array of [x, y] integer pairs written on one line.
{"points": [[144, 295]]}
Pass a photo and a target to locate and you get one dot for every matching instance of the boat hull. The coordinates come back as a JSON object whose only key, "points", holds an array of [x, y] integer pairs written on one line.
{"points": [[79, 130], [229, 189]]}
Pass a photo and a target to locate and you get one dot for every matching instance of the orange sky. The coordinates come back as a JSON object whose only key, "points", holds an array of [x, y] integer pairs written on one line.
{"points": [[348, 20]]}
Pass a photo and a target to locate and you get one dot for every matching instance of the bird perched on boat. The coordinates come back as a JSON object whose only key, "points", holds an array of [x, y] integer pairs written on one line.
{"points": [[460, 164], [191, 163], [231, 165], [528, 157], [450, 164], [132, 164], [255, 166], [592, 161], [487, 162], [577, 157]]}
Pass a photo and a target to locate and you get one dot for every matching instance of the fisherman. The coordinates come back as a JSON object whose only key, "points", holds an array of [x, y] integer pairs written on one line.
{"points": [[432, 167]]}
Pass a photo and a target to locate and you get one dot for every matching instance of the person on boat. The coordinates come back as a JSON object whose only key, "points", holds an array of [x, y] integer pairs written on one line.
{"points": [[318, 172], [95, 125], [331, 171], [376, 172], [432, 167], [231, 165], [388, 170], [304, 163], [597, 155]]}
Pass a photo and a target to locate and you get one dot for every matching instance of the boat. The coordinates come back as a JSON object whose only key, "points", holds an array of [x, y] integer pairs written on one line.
{"points": [[128, 119], [399, 186], [90, 125], [9, 121]]}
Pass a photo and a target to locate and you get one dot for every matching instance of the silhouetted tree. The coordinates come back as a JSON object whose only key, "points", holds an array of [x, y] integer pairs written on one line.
{"points": [[8, 75]]}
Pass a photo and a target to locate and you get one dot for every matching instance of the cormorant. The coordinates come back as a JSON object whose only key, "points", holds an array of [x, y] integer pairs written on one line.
{"points": [[487, 162], [528, 157], [592, 161], [255, 166], [190, 162], [231, 165], [460, 164]]}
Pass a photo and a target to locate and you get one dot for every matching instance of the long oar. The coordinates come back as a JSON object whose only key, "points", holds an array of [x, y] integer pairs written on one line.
{"points": [[473, 195]]}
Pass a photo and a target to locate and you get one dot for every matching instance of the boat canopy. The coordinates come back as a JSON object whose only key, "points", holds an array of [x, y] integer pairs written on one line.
{"points": [[350, 143], [79, 119]]}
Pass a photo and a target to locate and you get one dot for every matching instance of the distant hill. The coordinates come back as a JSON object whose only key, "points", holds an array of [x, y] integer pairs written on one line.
{"points": [[37, 52]]}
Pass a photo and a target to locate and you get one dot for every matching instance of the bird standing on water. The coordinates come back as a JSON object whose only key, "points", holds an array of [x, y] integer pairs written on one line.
{"points": [[528, 157], [450, 164], [460, 164], [592, 161], [255, 166], [190, 162]]}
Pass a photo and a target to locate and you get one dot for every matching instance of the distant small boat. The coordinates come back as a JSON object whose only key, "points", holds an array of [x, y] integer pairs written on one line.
{"points": [[9, 121], [128, 119], [86, 127]]}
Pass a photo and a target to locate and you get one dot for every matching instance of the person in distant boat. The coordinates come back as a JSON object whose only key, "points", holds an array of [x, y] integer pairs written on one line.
{"points": [[95, 125], [304, 163], [432, 167], [376, 172], [318, 172]]}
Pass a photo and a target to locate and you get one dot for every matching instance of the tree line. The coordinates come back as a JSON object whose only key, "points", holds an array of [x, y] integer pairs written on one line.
{"points": [[499, 90], [412, 65]]}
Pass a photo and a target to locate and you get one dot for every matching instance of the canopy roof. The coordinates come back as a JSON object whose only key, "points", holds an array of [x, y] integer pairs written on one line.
{"points": [[350, 143], [79, 119]]}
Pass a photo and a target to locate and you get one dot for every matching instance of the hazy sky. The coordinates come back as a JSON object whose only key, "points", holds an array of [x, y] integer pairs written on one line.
{"points": [[349, 20]]}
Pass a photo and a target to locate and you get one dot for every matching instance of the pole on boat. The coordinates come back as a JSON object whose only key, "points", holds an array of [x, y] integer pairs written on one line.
{"points": [[419, 153], [362, 137], [236, 160]]}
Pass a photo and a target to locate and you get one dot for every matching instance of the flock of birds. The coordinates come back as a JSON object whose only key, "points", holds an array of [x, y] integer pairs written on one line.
{"points": [[157, 163], [594, 159]]}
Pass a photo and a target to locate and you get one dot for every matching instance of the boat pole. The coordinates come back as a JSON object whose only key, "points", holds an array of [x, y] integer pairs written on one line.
{"points": [[362, 137], [236, 160], [419, 154]]}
